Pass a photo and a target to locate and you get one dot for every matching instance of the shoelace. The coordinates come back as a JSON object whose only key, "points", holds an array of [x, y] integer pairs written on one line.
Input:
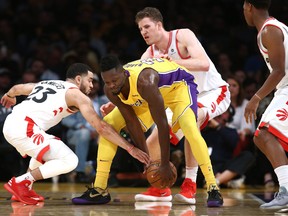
{"points": [[89, 189], [187, 185], [24, 190]]}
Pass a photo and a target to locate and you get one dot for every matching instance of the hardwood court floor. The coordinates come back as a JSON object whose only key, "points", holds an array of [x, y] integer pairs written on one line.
{"points": [[244, 202]]}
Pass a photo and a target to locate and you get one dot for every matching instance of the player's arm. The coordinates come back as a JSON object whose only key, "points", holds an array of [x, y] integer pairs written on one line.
{"points": [[198, 61], [75, 98], [9, 99], [272, 39], [132, 123], [148, 88]]}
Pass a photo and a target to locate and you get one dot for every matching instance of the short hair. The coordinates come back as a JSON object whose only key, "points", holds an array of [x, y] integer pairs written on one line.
{"points": [[109, 62], [77, 69], [149, 12], [260, 4]]}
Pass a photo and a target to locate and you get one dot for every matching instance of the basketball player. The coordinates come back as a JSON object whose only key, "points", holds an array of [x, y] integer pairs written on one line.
{"points": [[182, 46], [47, 103], [141, 90], [271, 136]]}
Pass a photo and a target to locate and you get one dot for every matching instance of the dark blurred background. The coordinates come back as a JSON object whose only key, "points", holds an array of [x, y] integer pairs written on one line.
{"points": [[39, 39]]}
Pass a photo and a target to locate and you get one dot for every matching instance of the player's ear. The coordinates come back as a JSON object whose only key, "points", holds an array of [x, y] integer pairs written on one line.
{"points": [[78, 79], [159, 24]]}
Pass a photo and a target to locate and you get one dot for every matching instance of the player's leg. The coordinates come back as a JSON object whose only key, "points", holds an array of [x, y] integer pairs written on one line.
{"points": [[98, 194], [189, 186], [56, 159], [186, 120], [153, 145], [271, 138], [199, 148], [33, 164]]}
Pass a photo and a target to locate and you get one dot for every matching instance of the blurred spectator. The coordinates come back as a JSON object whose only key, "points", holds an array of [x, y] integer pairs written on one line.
{"points": [[224, 65], [78, 137], [239, 102], [97, 96], [28, 77], [250, 87], [5, 80], [38, 67], [240, 75], [222, 140], [8, 154]]}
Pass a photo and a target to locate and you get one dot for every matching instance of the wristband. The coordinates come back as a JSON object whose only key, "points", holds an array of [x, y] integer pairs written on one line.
{"points": [[130, 149], [9, 96], [257, 96]]}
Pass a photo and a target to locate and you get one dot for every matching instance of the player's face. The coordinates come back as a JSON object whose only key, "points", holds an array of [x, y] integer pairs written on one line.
{"points": [[114, 80], [86, 83], [149, 30], [247, 7]]}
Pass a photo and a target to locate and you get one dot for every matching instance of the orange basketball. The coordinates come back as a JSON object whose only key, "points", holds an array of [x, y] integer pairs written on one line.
{"points": [[155, 180]]}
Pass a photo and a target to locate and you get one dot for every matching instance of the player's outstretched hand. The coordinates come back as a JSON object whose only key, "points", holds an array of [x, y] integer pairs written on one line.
{"points": [[167, 175], [140, 155], [7, 101], [106, 108]]}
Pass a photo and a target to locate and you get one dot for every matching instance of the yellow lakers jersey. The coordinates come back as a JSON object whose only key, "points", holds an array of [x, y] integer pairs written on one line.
{"points": [[171, 75]]}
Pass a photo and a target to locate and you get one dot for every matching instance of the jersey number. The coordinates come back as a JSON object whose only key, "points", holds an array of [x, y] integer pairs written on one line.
{"points": [[40, 90]]}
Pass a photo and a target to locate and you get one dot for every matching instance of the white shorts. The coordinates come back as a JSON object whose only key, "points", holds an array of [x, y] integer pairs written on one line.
{"points": [[22, 133], [276, 117], [216, 101]]}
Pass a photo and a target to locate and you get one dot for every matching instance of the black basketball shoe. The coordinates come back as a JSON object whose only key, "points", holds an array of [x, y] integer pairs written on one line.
{"points": [[214, 197], [92, 196]]}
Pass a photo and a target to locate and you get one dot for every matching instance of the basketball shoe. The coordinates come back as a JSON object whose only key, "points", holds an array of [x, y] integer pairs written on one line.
{"points": [[280, 200], [92, 196], [33, 195], [20, 190], [214, 196], [187, 192], [155, 194]]}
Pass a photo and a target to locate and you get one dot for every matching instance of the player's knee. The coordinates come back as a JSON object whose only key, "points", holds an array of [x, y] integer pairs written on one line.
{"points": [[260, 138], [71, 162]]}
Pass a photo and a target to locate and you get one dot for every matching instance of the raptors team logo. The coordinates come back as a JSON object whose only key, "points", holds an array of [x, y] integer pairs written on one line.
{"points": [[282, 114], [38, 139]]}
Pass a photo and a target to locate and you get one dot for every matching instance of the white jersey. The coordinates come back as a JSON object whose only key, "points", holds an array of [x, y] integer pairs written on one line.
{"points": [[46, 104], [274, 22], [206, 81]]}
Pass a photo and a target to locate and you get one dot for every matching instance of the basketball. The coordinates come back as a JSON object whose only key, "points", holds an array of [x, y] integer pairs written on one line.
{"points": [[155, 180]]}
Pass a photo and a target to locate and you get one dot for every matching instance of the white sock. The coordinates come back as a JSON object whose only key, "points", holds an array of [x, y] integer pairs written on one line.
{"points": [[26, 176], [282, 175], [191, 173]]}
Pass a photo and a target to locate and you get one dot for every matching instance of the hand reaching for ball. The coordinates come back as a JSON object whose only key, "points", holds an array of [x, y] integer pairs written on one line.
{"points": [[161, 175]]}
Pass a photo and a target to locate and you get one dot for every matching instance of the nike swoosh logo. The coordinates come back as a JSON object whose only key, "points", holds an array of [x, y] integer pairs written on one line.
{"points": [[104, 160], [93, 195], [163, 194]]}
